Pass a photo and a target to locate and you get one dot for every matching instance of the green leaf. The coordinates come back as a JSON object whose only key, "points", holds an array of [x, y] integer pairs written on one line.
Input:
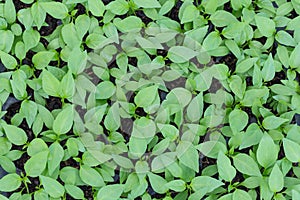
{"points": [[268, 70], [82, 24], [64, 120], [38, 14], [265, 25], [29, 110], [168, 131], [211, 149], [241, 195], [176, 185], [70, 175], [9, 11], [137, 146], [146, 96], [158, 183], [163, 161], [129, 24], [47, 116], [170, 75], [105, 90], [273, 122], [96, 7], [252, 136], [67, 86], [245, 65], [291, 150], [31, 38], [293, 133], [234, 30], [6, 40], [282, 89], [233, 47], [70, 36], [41, 194], [188, 155], [123, 161], [143, 128], [37, 145], [267, 151], [141, 168], [294, 60], [18, 84], [10, 182], [5, 146], [8, 61], [56, 154], [212, 41], [189, 14], [283, 55], [99, 156], [225, 169], [15, 134], [90, 176], [77, 60], [222, 18], [166, 7], [238, 120], [20, 50], [181, 54], [237, 86], [179, 96], [112, 192], [205, 184], [246, 165], [118, 7], [195, 108], [7, 165], [52, 187], [147, 4], [72, 147], [112, 120], [284, 38], [74, 191], [276, 179], [55, 9], [36, 164], [42, 59], [50, 84]]}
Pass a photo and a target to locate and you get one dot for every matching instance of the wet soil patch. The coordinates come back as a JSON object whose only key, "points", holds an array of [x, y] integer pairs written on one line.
{"points": [[52, 25], [53, 103]]}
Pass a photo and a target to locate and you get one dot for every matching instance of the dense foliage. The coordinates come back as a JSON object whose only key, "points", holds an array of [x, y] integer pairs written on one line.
{"points": [[150, 99]]}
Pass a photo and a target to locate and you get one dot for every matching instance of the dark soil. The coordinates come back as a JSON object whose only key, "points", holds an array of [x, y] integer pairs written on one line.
{"points": [[20, 5], [140, 112], [252, 117], [52, 25], [80, 9], [53, 103], [144, 18], [175, 10], [88, 192], [28, 58], [215, 86], [229, 60], [162, 95], [70, 162], [249, 81], [277, 79]]}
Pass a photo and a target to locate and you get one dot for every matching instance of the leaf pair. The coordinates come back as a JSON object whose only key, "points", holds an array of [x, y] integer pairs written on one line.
{"points": [[52, 86]]}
